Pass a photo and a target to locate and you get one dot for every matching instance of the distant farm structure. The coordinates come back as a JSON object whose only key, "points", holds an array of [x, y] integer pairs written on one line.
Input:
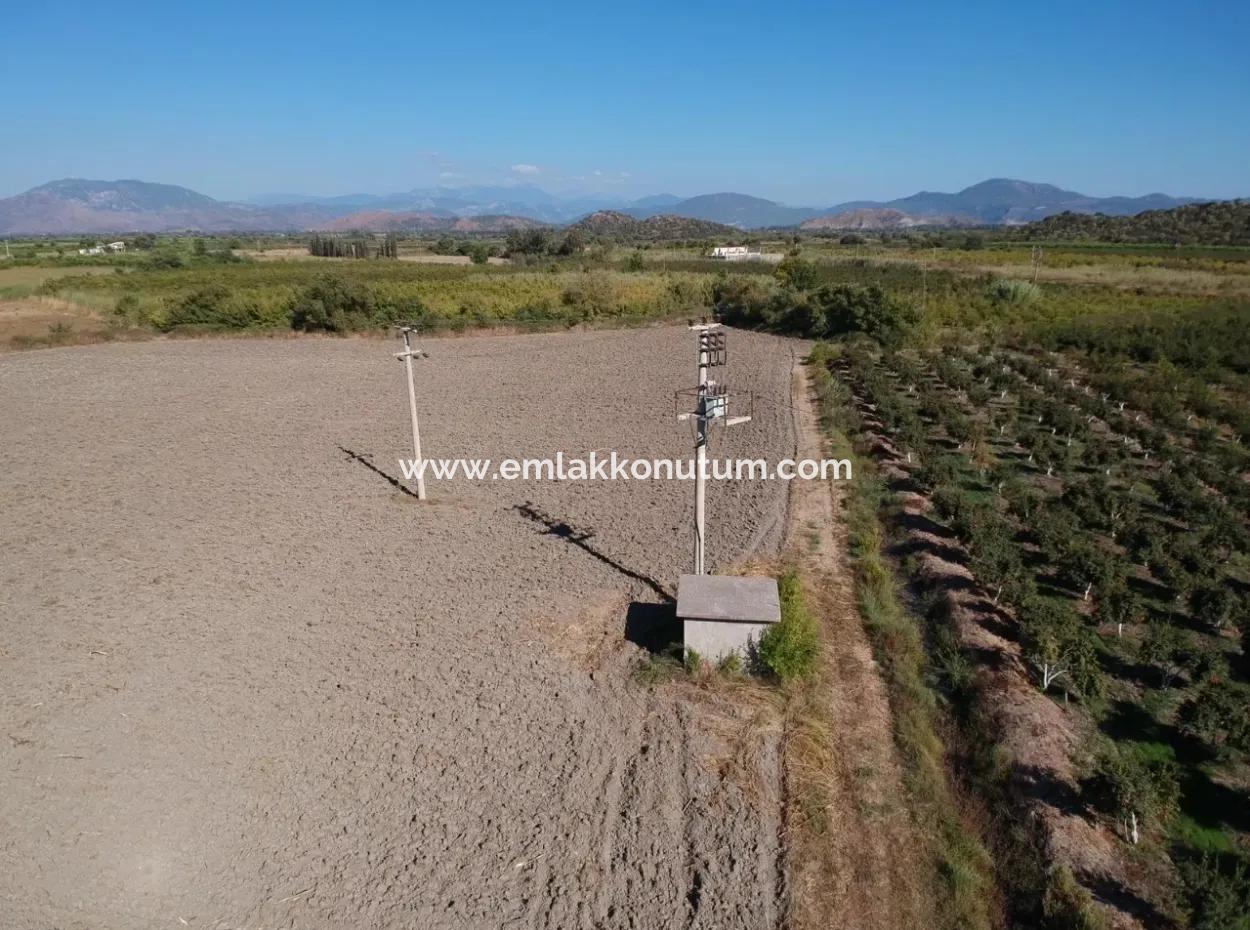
{"points": [[101, 249], [734, 253]]}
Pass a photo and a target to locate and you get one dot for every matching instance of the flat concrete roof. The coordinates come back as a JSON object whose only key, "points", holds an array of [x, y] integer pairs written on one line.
{"points": [[728, 598]]}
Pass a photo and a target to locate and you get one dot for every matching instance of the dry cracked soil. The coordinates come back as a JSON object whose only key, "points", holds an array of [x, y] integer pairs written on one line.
{"points": [[249, 682]]}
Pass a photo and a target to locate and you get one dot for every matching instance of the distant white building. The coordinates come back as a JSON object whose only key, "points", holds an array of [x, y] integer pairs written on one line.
{"points": [[101, 249], [733, 253]]}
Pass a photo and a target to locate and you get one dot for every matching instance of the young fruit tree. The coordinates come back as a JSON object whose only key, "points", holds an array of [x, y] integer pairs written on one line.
{"points": [[1060, 647], [1218, 715], [1218, 605], [1135, 789], [1120, 606], [1168, 649]]}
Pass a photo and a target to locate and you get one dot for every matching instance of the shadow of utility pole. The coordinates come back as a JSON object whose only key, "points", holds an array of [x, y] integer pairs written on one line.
{"points": [[571, 534], [391, 479]]}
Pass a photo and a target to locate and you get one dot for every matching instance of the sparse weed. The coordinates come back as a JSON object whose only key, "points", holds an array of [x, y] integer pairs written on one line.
{"points": [[655, 669], [1014, 293]]}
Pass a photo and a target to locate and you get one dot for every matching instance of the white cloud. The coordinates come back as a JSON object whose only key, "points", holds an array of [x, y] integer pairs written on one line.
{"points": [[525, 169]]}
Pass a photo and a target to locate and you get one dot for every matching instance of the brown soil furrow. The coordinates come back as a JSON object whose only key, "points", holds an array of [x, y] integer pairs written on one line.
{"points": [[248, 682], [867, 869]]}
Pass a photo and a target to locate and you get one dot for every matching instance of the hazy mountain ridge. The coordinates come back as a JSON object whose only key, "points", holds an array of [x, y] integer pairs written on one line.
{"points": [[399, 221], [868, 218], [1005, 201], [740, 210], [74, 206]]}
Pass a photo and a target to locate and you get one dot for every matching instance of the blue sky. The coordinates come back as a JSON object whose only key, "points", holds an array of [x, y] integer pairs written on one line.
{"points": [[803, 103]]}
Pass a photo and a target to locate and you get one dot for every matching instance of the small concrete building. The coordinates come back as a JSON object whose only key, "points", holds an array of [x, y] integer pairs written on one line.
{"points": [[721, 614], [731, 252]]}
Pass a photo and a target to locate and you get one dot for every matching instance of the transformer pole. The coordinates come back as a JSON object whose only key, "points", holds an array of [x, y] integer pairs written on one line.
{"points": [[711, 406], [407, 355]]}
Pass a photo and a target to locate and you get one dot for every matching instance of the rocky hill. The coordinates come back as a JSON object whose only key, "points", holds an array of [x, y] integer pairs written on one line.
{"points": [[612, 224], [1224, 222]]}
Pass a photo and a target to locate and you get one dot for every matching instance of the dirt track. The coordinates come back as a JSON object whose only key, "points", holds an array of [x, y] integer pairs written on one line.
{"points": [[247, 682]]}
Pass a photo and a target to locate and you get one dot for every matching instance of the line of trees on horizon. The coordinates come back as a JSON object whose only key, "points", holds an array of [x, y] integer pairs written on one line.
{"points": [[336, 247]]}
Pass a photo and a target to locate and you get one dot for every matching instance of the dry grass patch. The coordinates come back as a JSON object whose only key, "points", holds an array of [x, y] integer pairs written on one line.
{"points": [[43, 322]]}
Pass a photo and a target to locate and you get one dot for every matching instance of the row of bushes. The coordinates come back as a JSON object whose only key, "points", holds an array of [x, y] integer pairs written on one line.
{"points": [[894, 304], [795, 302], [338, 303]]}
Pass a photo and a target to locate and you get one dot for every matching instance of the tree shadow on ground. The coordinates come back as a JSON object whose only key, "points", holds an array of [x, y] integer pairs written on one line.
{"points": [[1043, 785], [1212, 804], [1118, 665], [903, 484], [1127, 720], [914, 545], [919, 523], [363, 459], [1116, 894], [553, 526]]}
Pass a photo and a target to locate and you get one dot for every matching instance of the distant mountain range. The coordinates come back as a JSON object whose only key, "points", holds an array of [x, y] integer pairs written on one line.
{"points": [[1003, 201], [740, 210], [880, 218], [75, 206]]}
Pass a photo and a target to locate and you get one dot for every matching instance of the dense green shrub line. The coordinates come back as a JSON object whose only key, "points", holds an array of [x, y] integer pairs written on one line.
{"points": [[355, 296]]}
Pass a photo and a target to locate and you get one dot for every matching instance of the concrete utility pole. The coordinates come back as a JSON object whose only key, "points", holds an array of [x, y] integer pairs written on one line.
{"points": [[409, 353], [711, 404]]}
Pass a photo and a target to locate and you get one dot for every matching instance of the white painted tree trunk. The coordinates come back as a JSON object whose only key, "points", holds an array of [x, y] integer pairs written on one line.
{"points": [[1050, 674]]}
